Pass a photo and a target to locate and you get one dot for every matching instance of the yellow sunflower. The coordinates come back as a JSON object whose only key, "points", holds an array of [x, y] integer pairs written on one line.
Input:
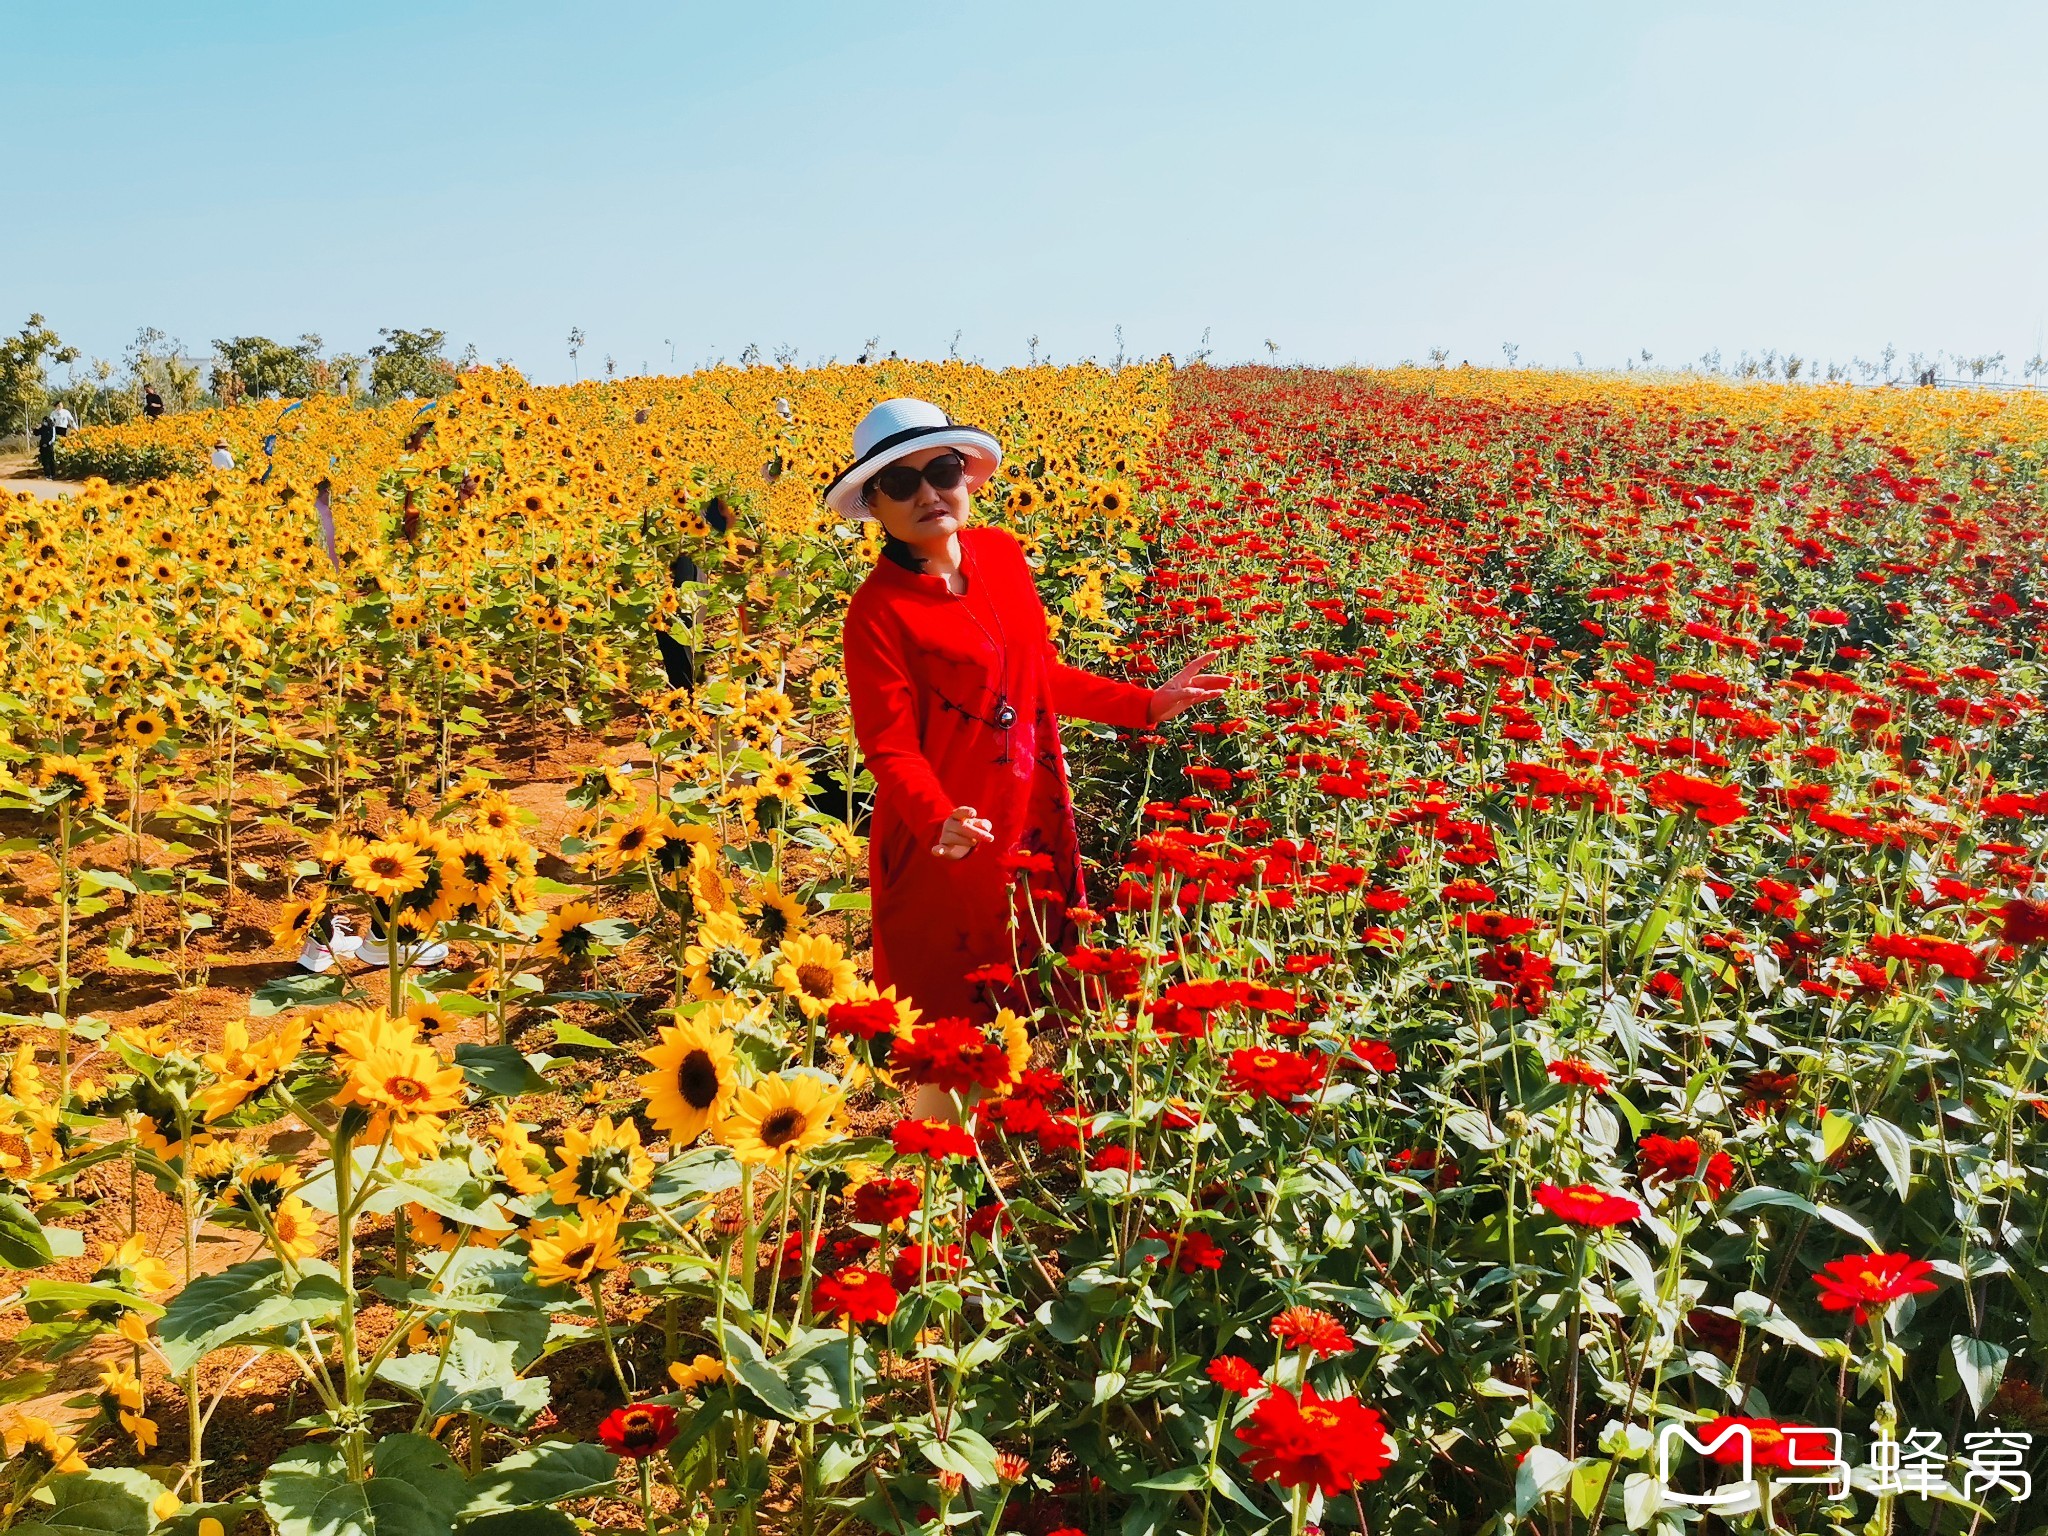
{"points": [[297, 1228], [567, 936], [787, 780], [72, 780], [717, 963], [387, 869], [815, 973], [601, 1170], [296, 920], [627, 844], [42, 1448], [575, 1248], [773, 917], [518, 1155], [709, 888], [405, 1086], [780, 1117], [692, 1084]]}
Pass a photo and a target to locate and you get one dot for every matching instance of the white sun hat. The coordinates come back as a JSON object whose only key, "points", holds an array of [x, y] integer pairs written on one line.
{"points": [[899, 427]]}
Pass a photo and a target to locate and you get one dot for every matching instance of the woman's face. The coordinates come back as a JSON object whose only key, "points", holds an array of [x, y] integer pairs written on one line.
{"points": [[930, 515]]}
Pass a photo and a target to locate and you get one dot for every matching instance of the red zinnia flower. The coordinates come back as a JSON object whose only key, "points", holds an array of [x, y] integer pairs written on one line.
{"points": [[931, 1138], [1574, 1073], [881, 1201], [1584, 1205], [1677, 1158], [1233, 1374], [2026, 922], [952, 1054], [1331, 1443], [1714, 803], [1495, 926], [1190, 1251], [1275, 1074], [638, 1429], [1317, 1332], [855, 1294], [916, 1262], [1870, 1282], [864, 1019], [1771, 1443], [1376, 1054]]}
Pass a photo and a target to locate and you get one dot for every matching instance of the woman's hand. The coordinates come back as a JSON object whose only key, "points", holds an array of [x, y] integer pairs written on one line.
{"points": [[963, 832], [1188, 687]]}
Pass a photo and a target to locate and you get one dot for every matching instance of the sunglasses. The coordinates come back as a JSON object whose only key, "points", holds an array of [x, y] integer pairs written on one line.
{"points": [[899, 482]]}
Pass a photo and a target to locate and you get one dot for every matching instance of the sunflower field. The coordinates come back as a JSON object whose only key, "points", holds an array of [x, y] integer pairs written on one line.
{"points": [[1560, 1049]]}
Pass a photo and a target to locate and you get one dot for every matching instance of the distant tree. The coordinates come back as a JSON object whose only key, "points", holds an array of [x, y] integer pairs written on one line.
{"points": [[246, 367], [156, 359], [410, 362], [24, 358]]}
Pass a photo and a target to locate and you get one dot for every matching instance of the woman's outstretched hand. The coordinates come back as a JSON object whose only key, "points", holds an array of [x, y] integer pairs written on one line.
{"points": [[1188, 687], [963, 832]]}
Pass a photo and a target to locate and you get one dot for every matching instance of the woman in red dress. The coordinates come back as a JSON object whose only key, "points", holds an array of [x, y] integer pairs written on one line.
{"points": [[956, 694]]}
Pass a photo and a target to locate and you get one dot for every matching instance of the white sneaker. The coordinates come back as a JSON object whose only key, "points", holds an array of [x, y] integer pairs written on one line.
{"points": [[375, 951], [319, 958]]}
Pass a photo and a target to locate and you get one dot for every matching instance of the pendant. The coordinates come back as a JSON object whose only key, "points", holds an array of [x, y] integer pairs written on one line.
{"points": [[1006, 717]]}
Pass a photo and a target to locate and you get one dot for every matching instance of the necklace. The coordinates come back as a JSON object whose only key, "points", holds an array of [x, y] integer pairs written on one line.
{"points": [[1006, 713]]}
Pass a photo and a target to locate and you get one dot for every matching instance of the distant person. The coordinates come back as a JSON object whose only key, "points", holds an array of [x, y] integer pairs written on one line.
{"points": [[62, 419], [222, 457], [46, 447], [152, 402]]}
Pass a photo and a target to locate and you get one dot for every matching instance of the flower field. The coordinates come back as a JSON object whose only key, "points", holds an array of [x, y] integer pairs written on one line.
{"points": [[1586, 979]]}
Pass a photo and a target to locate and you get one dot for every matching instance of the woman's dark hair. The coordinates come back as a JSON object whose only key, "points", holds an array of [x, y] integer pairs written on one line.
{"points": [[895, 549]]}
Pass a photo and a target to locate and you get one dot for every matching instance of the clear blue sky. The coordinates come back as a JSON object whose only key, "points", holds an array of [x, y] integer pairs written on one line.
{"points": [[1355, 181]]}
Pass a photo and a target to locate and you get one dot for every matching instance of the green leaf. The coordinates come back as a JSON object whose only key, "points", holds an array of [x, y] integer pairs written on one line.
{"points": [[965, 1451], [1981, 1364], [90, 880], [1542, 1473], [696, 1175], [546, 1474], [1893, 1150], [501, 1070], [1835, 1131], [1181, 1480], [300, 989], [480, 1375], [569, 1034], [522, 1522], [121, 960], [22, 1243], [413, 1490], [239, 1304], [751, 1369], [186, 1521], [445, 1187], [106, 1501], [816, 1366], [69, 1296]]}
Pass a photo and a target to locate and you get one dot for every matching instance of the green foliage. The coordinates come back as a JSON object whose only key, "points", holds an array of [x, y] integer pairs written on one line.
{"points": [[254, 366], [410, 363], [24, 359]]}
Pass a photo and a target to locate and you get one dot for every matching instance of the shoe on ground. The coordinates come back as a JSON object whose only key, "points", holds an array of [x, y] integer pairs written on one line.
{"points": [[377, 952], [319, 956]]}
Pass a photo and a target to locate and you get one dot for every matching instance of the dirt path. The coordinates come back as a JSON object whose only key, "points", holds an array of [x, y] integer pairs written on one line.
{"points": [[18, 473]]}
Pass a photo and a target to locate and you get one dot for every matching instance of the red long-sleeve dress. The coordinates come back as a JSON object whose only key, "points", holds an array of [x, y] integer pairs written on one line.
{"points": [[955, 702]]}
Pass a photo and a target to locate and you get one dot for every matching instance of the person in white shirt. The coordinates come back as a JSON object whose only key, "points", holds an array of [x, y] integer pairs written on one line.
{"points": [[62, 419], [222, 458]]}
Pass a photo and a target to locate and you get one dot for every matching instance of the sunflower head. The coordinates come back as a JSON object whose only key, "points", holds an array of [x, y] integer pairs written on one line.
{"points": [[692, 1082], [782, 1117]]}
